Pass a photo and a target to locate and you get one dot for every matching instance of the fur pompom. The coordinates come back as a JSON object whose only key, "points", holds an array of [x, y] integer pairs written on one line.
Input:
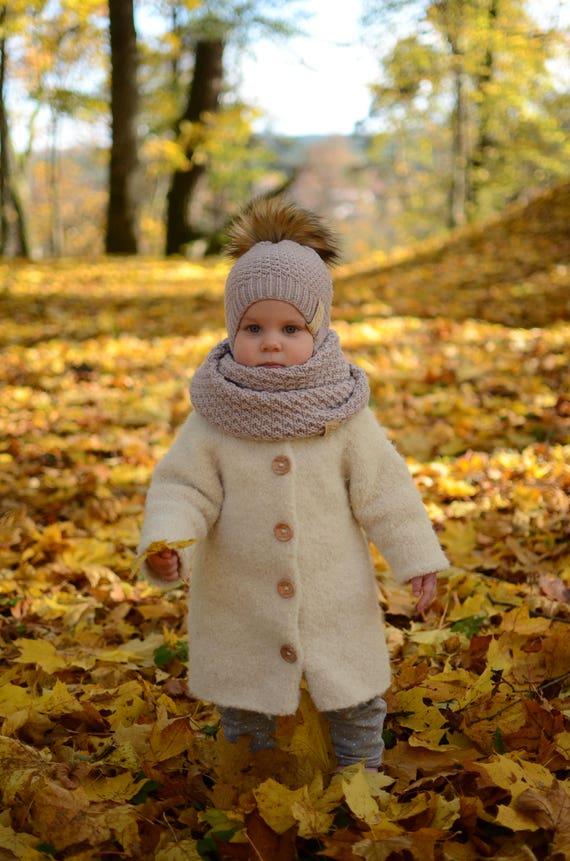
{"points": [[274, 219]]}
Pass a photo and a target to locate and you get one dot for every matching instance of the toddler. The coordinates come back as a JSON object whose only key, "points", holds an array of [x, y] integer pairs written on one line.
{"points": [[282, 475]]}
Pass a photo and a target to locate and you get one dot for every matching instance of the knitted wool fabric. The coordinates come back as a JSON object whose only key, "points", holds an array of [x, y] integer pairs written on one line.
{"points": [[279, 403], [286, 271]]}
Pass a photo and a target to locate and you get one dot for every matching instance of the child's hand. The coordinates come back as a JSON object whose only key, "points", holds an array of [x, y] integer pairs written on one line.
{"points": [[426, 587], [165, 565]]}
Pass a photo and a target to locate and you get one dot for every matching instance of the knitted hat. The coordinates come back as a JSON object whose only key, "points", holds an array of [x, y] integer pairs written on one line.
{"points": [[282, 252]]}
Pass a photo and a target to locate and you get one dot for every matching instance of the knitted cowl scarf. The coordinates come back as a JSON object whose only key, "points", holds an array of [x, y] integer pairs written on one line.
{"points": [[279, 403]]}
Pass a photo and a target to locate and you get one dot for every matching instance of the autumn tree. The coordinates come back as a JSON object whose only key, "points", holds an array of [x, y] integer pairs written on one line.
{"points": [[121, 233], [55, 75], [480, 70], [204, 98], [211, 32], [13, 212]]}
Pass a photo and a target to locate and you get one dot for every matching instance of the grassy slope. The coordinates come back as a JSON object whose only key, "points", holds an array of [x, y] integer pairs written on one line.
{"points": [[512, 270]]}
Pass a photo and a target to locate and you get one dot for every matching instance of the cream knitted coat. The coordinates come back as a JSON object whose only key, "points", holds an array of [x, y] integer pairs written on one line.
{"points": [[282, 582]]}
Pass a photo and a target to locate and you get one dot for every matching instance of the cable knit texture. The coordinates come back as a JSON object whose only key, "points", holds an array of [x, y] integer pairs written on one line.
{"points": [[282, 252], [279, 403], [285, 271]]}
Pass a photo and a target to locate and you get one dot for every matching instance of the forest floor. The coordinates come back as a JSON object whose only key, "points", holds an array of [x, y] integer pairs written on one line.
{"points": [[103, 755]]}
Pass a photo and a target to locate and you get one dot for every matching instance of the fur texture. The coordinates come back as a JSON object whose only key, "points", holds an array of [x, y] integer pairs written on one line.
{"points": [[272, 220]]}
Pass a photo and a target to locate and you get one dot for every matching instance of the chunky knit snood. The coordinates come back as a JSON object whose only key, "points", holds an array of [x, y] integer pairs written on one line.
{"points": [[279, 403]]}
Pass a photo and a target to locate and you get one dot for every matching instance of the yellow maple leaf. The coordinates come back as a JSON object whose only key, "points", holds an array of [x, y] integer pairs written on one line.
{"points": [[19, 845], [181, 850], [128, 704], [358, 795], [13, 698], [417, 844], [171, 739], [20, 764], [124, 822], [421, 716], [275, 801], [515, 775], [119, 788], [511, 818], [447, 686], [308, 807], [40, 652], [446, 813], [423, 804], [310, 742], [311, 820], [136, 653], [57, 701], [460, 540], [478, 604], [520, 622], [429, 643], [562, 740]]}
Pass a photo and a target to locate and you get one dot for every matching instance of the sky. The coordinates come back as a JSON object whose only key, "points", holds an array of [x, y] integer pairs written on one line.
{"points": [[312, 84], [319, 84], [315, 84]]}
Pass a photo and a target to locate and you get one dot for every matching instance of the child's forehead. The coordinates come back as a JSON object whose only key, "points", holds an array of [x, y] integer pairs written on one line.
{"points": [[272, 307]]}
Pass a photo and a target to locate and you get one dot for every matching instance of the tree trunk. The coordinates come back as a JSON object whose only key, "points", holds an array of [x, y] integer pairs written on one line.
{"points": [[459, 179], [204, 97], [56, 233], [484, 142], [4, 165], [122, 211], [12, 207]]}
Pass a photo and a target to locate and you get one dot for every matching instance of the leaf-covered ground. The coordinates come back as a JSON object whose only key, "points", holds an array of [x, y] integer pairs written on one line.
{"points": [[102, 753]]}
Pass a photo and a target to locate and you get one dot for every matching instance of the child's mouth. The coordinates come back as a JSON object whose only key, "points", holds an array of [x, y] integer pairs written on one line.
{"points": [[271, 365]]}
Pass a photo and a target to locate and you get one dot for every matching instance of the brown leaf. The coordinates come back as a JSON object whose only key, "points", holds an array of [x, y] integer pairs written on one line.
{"points": [[265, 844]]}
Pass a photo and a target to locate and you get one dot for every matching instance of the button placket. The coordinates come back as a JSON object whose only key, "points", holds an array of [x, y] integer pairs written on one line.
{"points": [[283, 531]]}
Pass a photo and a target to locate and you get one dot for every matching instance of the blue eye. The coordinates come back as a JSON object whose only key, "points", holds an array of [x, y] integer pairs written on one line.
{"points": [[290, 330], [253, 328]]}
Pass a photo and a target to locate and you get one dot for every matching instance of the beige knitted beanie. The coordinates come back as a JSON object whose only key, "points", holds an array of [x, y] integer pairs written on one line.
{"points": [[282, 253]]}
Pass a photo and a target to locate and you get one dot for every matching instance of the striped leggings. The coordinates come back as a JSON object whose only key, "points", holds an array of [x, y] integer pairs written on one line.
{"points": [[356, 732]]}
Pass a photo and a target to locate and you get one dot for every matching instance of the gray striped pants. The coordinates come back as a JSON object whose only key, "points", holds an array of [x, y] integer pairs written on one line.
{"points": [[356, 732]]}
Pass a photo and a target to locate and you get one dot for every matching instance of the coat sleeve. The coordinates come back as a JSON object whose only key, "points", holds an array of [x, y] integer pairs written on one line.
{"points": [[185, 494], [388, 506]]}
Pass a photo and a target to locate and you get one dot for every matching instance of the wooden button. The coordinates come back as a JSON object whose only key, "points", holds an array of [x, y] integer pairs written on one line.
{"points": [[283, 532], [288, 654], [281, 464], [286, 588]]}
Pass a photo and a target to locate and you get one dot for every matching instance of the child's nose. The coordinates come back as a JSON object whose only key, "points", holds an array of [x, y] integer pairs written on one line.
{"points": [[271, 343]]}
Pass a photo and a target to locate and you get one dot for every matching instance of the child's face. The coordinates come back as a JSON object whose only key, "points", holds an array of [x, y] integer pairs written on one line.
{"points": [[272, 334]]}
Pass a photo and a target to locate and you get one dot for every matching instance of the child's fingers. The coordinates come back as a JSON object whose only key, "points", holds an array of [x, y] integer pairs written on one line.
{"points": [[422, 604], [426, 589], [165, 564]]}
